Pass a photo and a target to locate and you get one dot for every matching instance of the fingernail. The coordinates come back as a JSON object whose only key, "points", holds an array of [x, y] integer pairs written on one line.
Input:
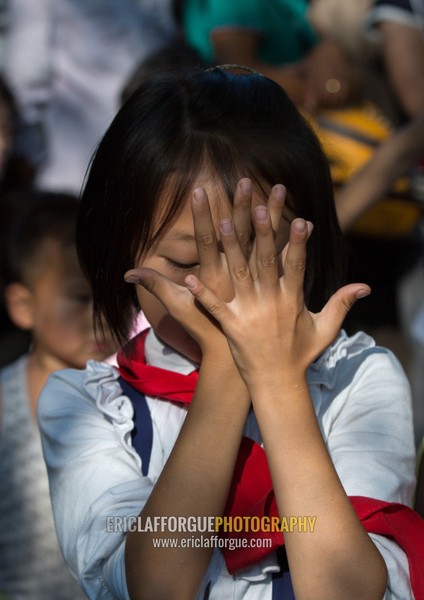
{"points": [[226, 226], [132, 278], [362, 293], [310, 227], [246, 186], [299, 225], [279, 192], [190, 281], [199, 194], [261, 213]]}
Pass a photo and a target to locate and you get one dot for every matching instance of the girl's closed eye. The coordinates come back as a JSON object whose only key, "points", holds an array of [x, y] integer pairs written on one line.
{"points": [[189, 266]]}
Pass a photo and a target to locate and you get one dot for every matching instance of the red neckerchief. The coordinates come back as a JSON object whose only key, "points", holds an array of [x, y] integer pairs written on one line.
{"points": [[251, 492], [153, 381]]}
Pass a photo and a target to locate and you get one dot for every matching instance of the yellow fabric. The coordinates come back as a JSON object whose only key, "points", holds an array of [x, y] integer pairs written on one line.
{"points": [[349, 138]]}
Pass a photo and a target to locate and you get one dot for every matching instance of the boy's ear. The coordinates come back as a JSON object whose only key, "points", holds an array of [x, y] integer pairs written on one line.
{"points": [[19, 305]]}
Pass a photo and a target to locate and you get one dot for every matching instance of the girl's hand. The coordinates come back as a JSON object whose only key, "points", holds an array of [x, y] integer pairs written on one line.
{"points": [[178, 302], [271, 333], [213, 269]]}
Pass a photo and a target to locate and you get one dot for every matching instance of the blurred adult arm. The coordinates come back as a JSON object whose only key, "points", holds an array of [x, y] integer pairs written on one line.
{"points": [[403, 55], [390, 161]]}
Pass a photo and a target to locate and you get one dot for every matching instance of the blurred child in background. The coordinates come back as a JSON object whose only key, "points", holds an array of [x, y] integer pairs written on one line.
{"points": [[47, 295]]}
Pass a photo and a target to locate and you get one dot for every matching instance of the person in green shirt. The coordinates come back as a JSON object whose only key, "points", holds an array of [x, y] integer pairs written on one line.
{"points": [[276, 38]]}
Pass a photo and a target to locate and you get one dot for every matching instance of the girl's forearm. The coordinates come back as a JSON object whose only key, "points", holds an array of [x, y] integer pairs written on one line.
{"points": [[194, 483], [338, 553]]}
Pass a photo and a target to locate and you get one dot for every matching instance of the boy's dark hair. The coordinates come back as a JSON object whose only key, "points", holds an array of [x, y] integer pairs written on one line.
{"points": [[28, 219], [239, 126]]}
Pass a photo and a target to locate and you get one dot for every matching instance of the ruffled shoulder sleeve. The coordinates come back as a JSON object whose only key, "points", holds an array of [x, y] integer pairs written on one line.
{"points": [[94, 472]]}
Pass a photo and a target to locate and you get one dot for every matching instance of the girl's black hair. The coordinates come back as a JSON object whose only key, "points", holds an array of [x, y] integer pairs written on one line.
{"points": [[239, 126]]}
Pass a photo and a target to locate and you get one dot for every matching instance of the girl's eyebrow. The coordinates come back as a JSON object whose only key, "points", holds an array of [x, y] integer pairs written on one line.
{"points": [[180, 236]]}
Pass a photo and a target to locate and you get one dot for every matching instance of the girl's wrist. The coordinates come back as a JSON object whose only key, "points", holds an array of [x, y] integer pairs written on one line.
{"points": [[282, 385], [219, 357]]}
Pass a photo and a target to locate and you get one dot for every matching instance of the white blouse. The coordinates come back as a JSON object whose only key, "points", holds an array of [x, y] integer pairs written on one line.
{"points": [[363, 406]]}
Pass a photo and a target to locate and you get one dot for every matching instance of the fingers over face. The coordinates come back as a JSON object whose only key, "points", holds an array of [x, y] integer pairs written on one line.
{"points": [[242, 214], [276, 204], [204, 230], [237, 263], [266, 252], [295, 256], [206, 298], [166, 291]]}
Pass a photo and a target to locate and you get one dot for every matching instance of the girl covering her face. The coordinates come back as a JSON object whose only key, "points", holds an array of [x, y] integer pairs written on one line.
{"points": [[244, 400]]}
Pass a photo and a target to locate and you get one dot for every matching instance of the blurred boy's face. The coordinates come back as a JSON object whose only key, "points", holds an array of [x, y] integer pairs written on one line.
{"points": [[62, 324]]}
